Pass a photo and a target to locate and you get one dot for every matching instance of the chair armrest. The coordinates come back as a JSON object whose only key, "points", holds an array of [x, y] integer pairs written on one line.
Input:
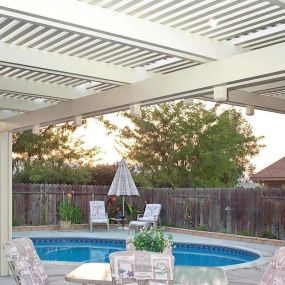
{"points": [[138, 216]]}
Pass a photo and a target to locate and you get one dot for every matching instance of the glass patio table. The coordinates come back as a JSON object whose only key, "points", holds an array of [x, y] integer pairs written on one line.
{"points": [[100, 274]]}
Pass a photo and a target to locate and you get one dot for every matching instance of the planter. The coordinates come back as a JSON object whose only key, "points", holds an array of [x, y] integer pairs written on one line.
{"points": [[65, 225]]}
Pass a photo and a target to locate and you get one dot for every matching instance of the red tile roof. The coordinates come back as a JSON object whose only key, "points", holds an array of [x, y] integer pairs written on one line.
{"points": [[275, 171]]}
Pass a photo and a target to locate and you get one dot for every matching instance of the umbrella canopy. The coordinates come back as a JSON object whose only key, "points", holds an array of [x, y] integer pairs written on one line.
{"points": [[123, 183]]}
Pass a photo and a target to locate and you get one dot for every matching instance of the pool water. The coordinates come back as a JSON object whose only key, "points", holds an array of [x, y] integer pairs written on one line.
{"points": [[98, 250]]}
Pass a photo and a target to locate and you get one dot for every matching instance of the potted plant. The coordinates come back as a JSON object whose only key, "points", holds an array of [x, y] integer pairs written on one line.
{"points": [[152, 239], [68, 213]]}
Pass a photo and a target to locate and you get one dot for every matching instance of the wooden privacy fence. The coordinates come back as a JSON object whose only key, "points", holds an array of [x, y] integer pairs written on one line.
{"points": [[231, 210]]}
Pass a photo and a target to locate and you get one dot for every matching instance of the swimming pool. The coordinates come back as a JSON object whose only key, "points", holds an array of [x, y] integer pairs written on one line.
{"points": [[98, 250]]}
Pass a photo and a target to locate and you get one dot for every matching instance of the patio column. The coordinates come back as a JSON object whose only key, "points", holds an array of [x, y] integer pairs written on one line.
{"points": [[5, 196]]}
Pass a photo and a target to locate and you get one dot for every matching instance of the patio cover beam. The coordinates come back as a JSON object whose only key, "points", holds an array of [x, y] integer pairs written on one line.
{"points": [[7, 103], [24, 57], [254, 65], [37, 89], [110, 25]]}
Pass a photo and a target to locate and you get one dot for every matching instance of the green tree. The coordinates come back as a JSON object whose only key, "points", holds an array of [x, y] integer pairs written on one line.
{"points": [[173, 145], [53, 156]]}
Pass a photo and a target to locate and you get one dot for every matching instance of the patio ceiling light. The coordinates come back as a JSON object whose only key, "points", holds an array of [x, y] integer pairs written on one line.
{"points": [[213, 23]]}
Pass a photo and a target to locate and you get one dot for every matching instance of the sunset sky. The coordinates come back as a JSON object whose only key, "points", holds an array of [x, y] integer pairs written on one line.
{"points": [[268, 124]]}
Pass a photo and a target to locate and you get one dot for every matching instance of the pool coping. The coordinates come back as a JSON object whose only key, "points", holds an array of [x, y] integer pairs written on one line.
{"points": [[217, 235]]}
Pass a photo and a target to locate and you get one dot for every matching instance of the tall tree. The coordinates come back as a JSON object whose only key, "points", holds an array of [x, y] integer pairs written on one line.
{"points": [[53, 156], [174, 145]]}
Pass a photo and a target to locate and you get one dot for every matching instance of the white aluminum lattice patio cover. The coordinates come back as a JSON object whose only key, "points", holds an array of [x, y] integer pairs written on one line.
{"points": [[123, 183]]}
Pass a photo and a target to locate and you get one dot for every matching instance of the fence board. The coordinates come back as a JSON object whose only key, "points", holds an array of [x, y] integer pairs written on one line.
{"points": [[255, 210]]}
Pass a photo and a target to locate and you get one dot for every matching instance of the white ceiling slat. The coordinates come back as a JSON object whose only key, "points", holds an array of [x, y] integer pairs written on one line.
{"points": [[84, 48], [40, 31], [177, 17], [111, 55], [120, 28], [26, 28], [62, 45], [75, 44], [247, 26], [229, 15], [259, 35], [103, 50], [201, 13], [260, 41], [273, 42]]}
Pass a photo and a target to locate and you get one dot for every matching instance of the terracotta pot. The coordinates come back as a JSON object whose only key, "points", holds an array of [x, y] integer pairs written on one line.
{"points": [[65, 225]]}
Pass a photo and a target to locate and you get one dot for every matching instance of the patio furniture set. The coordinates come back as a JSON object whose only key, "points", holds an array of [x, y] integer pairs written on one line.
{"points": [[98, 215]]}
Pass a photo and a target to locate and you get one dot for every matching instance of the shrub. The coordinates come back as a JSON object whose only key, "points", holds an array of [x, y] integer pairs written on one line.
{"points": [[152, 240], [267, 234], [244, 233], [202, 228]]}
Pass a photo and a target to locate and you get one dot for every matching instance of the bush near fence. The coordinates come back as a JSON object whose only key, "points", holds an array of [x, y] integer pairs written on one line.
{"points": [[250, 210]]}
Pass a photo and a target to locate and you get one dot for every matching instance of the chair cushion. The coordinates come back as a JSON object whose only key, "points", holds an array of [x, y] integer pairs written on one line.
{"points": [[99, 221], [138, 223]]}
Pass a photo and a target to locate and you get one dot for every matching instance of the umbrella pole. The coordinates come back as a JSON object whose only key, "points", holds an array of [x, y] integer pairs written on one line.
{"points": [[123, 205]]}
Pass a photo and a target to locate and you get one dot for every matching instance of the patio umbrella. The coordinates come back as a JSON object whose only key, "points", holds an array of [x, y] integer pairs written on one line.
{"points": [[123, 183]]}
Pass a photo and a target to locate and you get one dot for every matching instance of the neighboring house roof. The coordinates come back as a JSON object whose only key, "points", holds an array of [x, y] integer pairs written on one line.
{"points": [[275, 171]]}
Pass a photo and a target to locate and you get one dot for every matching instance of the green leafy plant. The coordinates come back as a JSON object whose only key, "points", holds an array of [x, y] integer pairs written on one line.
{"points": [[267, 234], [65, 210], [76, 215], [68, 211], [152, 240], [245, 233], [17, 221], [202, 228]]}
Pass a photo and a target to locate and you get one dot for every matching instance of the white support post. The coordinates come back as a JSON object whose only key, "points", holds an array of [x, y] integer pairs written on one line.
{"points": [[249, 110], [5, 196], [220, 94], [77, 121], [188, 101], [36, 129], [135, 110]]}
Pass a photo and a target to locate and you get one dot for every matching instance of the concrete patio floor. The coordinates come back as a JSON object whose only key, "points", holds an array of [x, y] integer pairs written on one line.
{"points": [[244, 273]]}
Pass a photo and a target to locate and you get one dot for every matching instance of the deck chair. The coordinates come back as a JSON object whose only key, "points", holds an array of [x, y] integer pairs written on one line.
{"points": [[150, 217], [141, 267], [275, 271], [24, 262], [97, 214]]}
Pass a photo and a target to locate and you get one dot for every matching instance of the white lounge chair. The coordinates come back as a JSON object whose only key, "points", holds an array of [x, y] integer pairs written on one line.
{"points": [[141, 267], [150, 217], [97, 214], [26, 265]]}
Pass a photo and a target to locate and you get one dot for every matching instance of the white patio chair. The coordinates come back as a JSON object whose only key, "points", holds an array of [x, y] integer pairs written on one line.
{"points": [[97, 214], [26, 265], [141, 267], [150, 216]]}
